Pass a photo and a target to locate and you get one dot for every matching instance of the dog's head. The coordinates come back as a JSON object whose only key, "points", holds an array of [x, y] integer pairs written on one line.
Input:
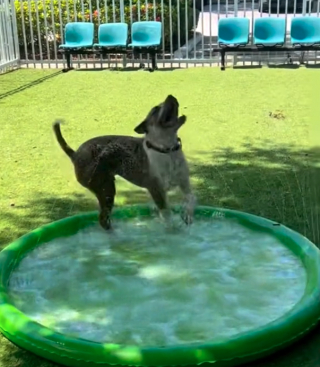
{"points": [[162, 119]]}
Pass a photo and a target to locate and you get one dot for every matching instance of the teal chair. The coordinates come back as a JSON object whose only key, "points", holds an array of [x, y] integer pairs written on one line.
{"points": [[146, 34], [305, 31], [233, 32], [146, 38], [269, 32], [78, 35], [112, 35]]}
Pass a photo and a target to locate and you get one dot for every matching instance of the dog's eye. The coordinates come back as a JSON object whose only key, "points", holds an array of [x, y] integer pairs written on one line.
{"points": [[154, 111]]}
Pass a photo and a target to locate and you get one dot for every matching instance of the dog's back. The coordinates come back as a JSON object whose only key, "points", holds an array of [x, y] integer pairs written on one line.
{"points": [[111, 154]]}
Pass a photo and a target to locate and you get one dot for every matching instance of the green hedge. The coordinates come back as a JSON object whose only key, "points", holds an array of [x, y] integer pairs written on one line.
{"points": [[53, 15]]}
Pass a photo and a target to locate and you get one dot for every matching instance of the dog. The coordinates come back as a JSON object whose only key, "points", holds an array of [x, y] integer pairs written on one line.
{"points": [[154, 162]]}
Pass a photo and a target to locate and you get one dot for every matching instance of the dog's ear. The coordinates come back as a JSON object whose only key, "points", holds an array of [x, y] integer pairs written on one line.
{"points": [[141, 128]]}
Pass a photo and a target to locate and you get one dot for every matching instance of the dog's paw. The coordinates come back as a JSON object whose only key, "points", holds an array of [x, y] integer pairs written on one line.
{"points": [[188, 209], [105, 222], [165, 214], [187, 217]]}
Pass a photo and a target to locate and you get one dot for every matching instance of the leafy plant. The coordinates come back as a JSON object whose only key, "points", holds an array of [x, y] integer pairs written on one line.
{"points": [[40, 22]]}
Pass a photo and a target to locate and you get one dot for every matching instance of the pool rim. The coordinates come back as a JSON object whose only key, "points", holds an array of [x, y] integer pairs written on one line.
{"points": [[239, 349]]}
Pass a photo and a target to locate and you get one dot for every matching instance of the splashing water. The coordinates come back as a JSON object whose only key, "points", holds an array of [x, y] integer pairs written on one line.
{"points": [[145, 285]]}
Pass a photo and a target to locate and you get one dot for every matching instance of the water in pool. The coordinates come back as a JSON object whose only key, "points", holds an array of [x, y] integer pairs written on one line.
{"points": [[145, 285]]}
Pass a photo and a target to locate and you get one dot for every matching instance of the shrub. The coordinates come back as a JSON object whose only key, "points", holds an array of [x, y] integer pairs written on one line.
{"points": [[44, 20]]}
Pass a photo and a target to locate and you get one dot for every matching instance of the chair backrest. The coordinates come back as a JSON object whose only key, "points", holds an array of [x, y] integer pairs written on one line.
{"points": [[148, 32], [305, 30], [233, 30], [116, 33], [269, 29], [79, 32]]}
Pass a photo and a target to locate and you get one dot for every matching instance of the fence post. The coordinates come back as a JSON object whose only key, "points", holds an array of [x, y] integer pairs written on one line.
{"points": [[122, 20], [304, 7], [9, 48], [122, 11]]}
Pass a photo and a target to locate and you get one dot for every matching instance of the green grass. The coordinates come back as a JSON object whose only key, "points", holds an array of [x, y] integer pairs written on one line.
{"points": [[247, 138]]}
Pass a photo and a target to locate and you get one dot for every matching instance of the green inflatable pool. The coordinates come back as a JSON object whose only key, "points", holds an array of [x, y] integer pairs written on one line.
{"points": [[239, 349]]}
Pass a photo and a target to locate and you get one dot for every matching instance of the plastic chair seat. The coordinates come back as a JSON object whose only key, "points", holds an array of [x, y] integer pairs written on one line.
{"points": [[78, 35], [109, 44], [146, 34], [305, 30], [269, 31], [75, 45], [112, 35], [143, 44], [233, 32]]}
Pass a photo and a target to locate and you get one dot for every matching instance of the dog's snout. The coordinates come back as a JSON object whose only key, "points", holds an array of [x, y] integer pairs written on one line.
{"points": [[172, 99]]}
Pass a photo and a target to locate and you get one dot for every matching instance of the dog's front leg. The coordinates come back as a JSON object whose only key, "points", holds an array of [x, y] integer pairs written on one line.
{"points": [[189, 201], [159, 197]]}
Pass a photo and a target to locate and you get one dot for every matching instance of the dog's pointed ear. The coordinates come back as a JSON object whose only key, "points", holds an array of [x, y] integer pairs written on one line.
{"points": [[141, 128]]}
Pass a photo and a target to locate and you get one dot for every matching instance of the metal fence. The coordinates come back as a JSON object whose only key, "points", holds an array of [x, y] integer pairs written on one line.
{"points": [[9, 47], [189, 27]]}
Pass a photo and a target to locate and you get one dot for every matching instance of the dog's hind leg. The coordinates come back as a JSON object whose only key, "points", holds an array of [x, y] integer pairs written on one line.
{"points": [[105, 193]]}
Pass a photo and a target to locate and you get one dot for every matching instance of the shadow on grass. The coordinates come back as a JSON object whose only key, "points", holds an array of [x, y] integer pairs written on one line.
{"points": [[28, 85], [284, 66], [279, 184], [126, 69], [244, 67], [44, 209], [276, 183], [312, 66]]}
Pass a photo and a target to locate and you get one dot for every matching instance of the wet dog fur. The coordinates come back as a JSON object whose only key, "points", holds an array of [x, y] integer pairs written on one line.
{"points": [[155, 162]]}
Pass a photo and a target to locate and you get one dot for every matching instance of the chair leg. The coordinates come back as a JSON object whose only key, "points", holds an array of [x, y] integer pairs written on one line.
{"points": [[289, 58], [136, 55], [124, 61], [68, 59], [301, 58], [153, 62], [223, 60]]}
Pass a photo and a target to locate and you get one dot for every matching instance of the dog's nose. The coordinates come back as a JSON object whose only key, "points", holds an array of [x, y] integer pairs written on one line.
{"points": [[172, 99]]}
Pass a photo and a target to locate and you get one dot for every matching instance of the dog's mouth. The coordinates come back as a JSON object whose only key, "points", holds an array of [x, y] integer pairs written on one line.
{"points": [[170, 112], [174, 124], [172, 106], [181, 120]]}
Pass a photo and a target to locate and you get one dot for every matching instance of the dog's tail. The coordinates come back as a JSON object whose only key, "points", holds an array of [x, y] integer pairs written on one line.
{"points": [[63, 144]]}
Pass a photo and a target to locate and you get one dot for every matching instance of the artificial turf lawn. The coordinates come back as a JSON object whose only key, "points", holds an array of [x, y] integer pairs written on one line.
{"points": [[247, 138]]}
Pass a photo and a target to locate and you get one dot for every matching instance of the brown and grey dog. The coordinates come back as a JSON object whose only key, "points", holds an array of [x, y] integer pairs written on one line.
{"points": [[155, 162]]}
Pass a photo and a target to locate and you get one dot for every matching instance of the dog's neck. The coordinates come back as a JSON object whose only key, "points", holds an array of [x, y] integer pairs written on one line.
{"points": [[164, 150]]}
